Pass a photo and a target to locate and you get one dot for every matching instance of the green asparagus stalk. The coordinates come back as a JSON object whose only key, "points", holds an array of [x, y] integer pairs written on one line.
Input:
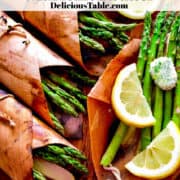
{"points": [[66, 85], [165, 30], [114, 145], [58, 126], [105, 24], [96, 32], [116, 44], [81, 78], [38, 175], [158, 111], [171, 52], [141, 62], [42, 153], [74, 153], [147, 86], [158, 100], [122, 36], [142, 57], [147, 82], [59, 156], [66, 150], [176, 108], [74, 163], [99, 15], [89, 42], [60, 102], [63, 94], [145, 138]]}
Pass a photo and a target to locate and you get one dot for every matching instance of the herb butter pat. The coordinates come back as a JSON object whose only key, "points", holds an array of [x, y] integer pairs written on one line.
{"points": [[163, 73]]}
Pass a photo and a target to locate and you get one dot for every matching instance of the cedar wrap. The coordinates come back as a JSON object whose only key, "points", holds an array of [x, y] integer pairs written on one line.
{"points": [[18, 138], [62, 28], [101, 116], [20, 65]]}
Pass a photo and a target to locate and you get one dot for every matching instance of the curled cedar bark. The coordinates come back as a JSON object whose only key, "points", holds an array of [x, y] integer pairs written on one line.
{"points": [[17, 140], [21, 57], [62, 28]]}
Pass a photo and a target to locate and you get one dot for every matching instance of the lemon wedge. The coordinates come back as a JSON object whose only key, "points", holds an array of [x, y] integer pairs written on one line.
{"points": [[128, 101], [136, 15], [138, 10], [161, 158]]}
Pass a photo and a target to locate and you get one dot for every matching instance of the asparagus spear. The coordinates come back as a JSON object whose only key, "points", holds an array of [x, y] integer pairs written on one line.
{"points": [[105, 24], [99, 15], [114, 145], [59, 127], [74, 163], [142, 57], [63, 94], [74, 153], [58, 155], [48, 156], [164, 33], [96, 32], [116, 43], [176, 108], [66, 85], [141, 62], [66, 150], [171, 52], [147, 84], [56, 99], [158, 102], [38, 175], [81, 78], [122, 36], [89, 42]]}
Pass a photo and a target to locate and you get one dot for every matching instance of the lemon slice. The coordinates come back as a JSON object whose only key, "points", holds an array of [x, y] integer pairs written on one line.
{"points": [[136, 15], [161, 158], [128, 100], [139, 9]]}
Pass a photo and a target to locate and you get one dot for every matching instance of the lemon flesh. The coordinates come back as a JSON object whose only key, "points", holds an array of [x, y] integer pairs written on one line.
{"points": [[161, 158], [136, 15], [128, 101]]}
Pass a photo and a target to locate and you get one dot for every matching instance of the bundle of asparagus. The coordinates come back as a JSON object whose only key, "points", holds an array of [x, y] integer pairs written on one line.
{"points": [[95, 26], [143, 68], [64, 156], [52, 156], [64, 90], [161, 105], [160, 38]]}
